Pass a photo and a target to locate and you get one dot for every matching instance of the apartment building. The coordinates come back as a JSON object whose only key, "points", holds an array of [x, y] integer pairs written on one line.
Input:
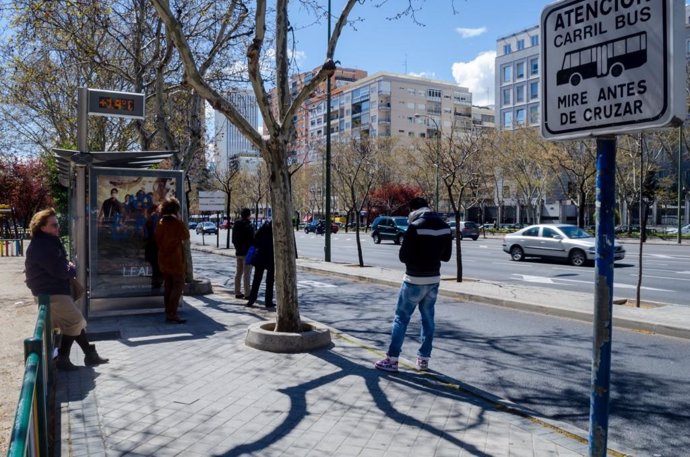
{"points": [[517, 79], [229, 141], [386, 105]]}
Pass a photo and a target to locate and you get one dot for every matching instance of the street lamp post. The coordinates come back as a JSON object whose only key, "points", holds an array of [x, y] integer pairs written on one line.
{"points": [[438, 154]]}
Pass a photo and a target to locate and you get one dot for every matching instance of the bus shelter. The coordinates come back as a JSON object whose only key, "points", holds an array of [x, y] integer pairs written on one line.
{"points": [[112, 214]]}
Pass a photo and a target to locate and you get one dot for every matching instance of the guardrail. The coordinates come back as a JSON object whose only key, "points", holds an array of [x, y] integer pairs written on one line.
{"points": [[11, 247], [30, 432]]}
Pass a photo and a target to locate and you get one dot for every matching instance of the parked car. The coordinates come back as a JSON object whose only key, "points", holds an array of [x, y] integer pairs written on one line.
{"points": [[627, 228], [206, 227], [389, 228], [318, 226], [192, 225], [559, 241], [225, 225], [467, 230]]}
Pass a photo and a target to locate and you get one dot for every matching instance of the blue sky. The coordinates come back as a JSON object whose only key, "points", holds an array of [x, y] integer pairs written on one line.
{"points": [[449, 47]]}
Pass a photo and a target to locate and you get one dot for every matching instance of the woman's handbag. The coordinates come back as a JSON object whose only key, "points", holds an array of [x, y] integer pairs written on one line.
{"points": [[76, 289], [251, 254]]}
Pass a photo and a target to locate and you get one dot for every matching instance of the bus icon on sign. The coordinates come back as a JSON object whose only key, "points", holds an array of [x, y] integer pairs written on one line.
{"points": [[599, 60]]}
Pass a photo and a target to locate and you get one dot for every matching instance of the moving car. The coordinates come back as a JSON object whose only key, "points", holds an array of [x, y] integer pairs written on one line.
{"points": [[558, 241], [206, 227], [225, 225], [684, 230], [467, 230], [318, 226], [389, 228]]}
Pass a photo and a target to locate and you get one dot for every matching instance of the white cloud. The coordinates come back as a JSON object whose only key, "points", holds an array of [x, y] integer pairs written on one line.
{"points": [[470, 33], [478, 76]]}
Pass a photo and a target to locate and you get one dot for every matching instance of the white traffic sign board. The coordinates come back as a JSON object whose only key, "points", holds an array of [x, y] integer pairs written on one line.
{"points": [[211, 201], [612, 66]]}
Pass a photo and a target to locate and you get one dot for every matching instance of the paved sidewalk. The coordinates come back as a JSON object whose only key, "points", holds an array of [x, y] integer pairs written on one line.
{"points": [[197, 390]]}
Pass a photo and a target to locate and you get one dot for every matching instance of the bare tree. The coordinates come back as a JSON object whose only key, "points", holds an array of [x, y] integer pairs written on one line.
{"points": [[226, 180], [356, 165], [574, 166], [273, 149]]}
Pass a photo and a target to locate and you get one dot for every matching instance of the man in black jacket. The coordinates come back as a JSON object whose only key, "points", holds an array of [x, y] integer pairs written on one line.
{"points": [[426, 243], [242, 238]]}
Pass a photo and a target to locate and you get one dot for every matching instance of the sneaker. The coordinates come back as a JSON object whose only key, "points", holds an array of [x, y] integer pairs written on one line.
{"points": [[422, 364], [239, 296], [388, 364]]}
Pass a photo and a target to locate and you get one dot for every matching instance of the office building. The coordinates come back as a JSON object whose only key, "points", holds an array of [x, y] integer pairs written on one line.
{"points": [[518, 79]]}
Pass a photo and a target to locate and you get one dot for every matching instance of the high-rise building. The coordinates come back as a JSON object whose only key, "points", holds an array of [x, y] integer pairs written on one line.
{"points": [[386, 105], [229, 141], [518, 79]]}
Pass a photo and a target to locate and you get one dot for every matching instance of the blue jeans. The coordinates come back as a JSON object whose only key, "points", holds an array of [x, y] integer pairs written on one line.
{"points": [[410, 296]]}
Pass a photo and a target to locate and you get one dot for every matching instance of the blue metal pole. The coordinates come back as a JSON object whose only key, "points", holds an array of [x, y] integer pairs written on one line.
{"points": [[603, 297]]}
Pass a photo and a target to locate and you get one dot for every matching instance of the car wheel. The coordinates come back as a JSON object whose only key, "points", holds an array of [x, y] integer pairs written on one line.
{"points": [[577, 258], [516, 253], [474, 238], [306, 230], [376, 238], [398, 239]]}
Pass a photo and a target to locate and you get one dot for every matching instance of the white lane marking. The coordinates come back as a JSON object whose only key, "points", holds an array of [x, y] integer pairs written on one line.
{"points": [[660, 256], [661, 277], [683, 272], [315, 284], [545, 280]]}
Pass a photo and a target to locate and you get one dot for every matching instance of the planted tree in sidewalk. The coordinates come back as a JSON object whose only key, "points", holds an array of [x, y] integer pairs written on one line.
{"points": [[274, 149]]}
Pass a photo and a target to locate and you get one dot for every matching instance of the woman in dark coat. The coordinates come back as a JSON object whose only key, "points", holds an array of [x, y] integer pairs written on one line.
{"points": [[263, 260], [48, 273]]}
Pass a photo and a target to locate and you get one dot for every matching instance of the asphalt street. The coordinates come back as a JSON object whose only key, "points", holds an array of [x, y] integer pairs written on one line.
{"points": [[665, 278], [539, 362]]}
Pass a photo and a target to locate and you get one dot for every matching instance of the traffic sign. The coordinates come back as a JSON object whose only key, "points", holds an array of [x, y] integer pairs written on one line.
{"points": [[612, 66], [211, 201]]}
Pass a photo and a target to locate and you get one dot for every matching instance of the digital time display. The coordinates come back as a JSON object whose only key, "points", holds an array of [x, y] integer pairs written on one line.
{"points": [[118, 104]]}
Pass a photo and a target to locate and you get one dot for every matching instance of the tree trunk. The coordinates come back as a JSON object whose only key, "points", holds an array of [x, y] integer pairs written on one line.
{"points": [[288, 319]]}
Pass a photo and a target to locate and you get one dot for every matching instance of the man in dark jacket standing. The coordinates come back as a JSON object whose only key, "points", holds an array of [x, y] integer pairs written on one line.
{"points": [[426, 243], [242, 238]]}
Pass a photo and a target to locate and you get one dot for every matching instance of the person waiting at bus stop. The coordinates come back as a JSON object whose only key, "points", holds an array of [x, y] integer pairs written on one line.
{"points": [[49, 273]]}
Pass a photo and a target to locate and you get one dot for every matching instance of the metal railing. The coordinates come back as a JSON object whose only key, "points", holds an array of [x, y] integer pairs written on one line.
{"points": [[30, 432]]}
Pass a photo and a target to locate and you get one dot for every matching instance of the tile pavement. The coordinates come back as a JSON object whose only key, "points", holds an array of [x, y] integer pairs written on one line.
{"points": [[196, 390]]}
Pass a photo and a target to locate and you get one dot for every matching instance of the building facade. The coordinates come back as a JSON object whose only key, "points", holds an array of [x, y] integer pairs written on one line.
{"points": [[389, 105], [518, 79]]}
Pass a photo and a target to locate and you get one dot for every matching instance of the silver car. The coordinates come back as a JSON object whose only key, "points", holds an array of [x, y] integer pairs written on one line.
{"points": [[560, 241]]}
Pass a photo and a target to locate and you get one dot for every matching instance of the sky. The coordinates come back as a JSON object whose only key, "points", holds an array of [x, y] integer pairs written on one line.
{"points": [[457, 47]]}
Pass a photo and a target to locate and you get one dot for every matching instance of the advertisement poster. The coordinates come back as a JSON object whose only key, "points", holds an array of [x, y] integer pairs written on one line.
{"points": [[124, 214]]}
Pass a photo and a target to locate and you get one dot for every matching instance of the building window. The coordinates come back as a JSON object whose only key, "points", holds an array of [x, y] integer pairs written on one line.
{"points": [[520, 94], [534, 66], [507, 119], [533, 90], [534, 114], [520, 44], [433, 93], [520, 116], [506, 49], [519, 70], [534, 39], [506, 97], [507, 73]]}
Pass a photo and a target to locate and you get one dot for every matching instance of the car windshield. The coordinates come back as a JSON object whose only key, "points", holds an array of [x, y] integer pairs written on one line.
{"points": [[401, 222], [574, 232]]}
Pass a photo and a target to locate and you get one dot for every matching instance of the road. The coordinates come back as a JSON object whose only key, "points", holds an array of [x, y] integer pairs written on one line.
{"points": [[666, 268], [539, 362]]}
